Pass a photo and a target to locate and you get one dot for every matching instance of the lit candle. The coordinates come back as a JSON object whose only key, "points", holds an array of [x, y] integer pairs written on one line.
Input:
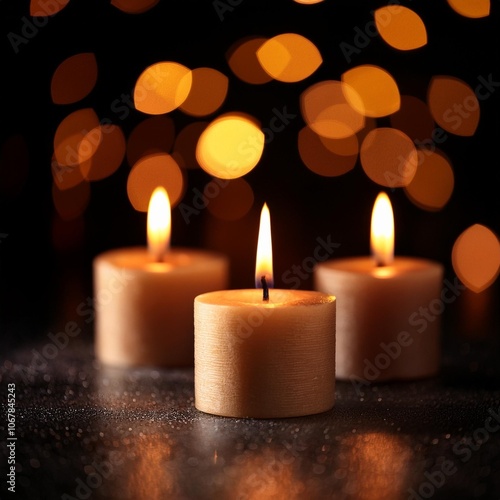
{"points": [[386, 328], [264, 353], [144, 296]]}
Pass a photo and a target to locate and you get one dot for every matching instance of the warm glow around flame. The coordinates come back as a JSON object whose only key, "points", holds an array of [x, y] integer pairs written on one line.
{"points": [[159, 222], [264, 261], [382, 231]]}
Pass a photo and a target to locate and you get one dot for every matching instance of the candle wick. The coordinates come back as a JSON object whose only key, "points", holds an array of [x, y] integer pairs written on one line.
{"points": [[158, 257], [265, 288]]}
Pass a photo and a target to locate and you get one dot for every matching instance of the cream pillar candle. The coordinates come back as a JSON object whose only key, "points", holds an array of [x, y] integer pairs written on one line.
{"points": [[266, 353], [144, 298], [381, 334]]}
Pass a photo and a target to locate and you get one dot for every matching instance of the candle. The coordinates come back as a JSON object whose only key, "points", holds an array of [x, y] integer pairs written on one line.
{"points": [[388, 313], [144, 296], [264, 352]]}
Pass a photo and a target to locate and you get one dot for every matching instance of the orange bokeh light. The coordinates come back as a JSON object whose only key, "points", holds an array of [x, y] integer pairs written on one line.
{"points": [[42, 8], [471, 8], [242, 59], [289, 57], [453, 105], [414, 119], [134, 6], [207, 94], [389, 157], [162, 87], [326, 110], [184, 150], [376, 93], [476, 257], [74, 78], [230, 146], [327, 157], [71, 132], [149, 173], [400, 27], [432, 185], [153, 135], [108, 156]]}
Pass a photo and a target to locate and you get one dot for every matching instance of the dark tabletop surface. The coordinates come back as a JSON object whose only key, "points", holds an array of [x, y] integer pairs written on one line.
{"points": [[87, 431]]}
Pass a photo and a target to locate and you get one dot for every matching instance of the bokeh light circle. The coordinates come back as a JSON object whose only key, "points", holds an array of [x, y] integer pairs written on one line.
{"points": [[432, 185], [374, 87], [149, 173], [162, 87], [414, 119], [184, 150], [230, 146], [454, 105], [108, 156], [70, 133], [400, 27], [476, 257], [289, 57], [74, 78], [207, 94], [389, 157], [134, 6], [327, 157], [155, 134], [42, 8], [326, 110], [473, 9], [242, 59]]}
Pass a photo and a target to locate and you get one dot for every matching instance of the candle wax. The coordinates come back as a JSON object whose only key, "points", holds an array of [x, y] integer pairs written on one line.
{"points": [[264, 359], [380, 333], [144, 309]]}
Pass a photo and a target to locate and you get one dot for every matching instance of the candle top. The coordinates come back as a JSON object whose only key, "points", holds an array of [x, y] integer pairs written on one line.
{"points": [[253, 297], [367, 266], [175, 259]]}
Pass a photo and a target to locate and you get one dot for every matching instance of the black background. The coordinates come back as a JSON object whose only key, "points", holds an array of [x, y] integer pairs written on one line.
{"points": [[41, 286]]}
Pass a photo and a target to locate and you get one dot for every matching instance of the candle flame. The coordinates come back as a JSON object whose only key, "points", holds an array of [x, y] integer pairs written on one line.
{"points": [[159, 223], [264, 260], [382, 231]]}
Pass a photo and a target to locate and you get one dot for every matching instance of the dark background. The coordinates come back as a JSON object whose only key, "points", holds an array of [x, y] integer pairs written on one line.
{"points": [[42, 283], [71, 413]]}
